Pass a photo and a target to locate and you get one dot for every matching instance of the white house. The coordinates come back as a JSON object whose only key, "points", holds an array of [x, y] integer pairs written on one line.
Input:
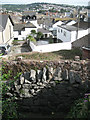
{"points": [[30, 16], [69, 33], [6, 29], [55, 25], [21, 31], [46, 33]]}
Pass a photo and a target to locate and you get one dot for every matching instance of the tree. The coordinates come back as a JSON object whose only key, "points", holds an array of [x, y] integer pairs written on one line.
{"points": [[33, 33], [39, 35], [31, 38]]}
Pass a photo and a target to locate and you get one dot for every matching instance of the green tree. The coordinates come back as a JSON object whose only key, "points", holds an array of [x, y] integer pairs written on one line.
{"points": [[39, 35], [33, 33], [31, 38]]}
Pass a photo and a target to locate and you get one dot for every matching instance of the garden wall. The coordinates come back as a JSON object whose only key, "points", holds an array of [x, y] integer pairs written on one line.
{"points": [[49, 87], [51, 47]]}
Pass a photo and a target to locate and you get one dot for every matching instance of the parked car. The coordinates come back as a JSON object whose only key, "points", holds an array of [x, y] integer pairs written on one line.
{"points": [[5, 49]]}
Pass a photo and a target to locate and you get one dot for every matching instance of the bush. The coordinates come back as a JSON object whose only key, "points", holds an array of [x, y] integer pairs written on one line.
{"points": [[70, 54], [81, 109], [9, 106]]}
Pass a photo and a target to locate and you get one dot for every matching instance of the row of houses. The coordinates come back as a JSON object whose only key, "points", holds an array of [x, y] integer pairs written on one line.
{"points": [[65, 31]]}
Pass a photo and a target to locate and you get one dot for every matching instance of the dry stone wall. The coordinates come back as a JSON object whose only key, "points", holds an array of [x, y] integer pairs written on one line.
{"points": [[48, 87]]}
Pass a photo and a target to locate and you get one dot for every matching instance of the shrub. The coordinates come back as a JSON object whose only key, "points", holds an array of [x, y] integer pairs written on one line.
{"points": [[9, 106], [81, 109]]}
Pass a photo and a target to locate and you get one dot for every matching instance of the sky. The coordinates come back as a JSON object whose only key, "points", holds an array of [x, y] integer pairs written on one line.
{"points": [[69, 2]]}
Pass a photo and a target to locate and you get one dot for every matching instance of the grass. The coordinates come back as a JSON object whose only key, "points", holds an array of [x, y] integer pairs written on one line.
{"points": [[62, 54], [40, 56], [70, 54], [16, 42]]}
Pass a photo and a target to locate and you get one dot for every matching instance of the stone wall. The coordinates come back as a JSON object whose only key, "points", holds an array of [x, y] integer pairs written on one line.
{"points": [[50, 87]]}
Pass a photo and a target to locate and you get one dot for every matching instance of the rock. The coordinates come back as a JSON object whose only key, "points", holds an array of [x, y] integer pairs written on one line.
{"points": [[17, 82], [74, 77], [18, 87], [51, 72], [27, 94], [26, 75], [27, 82], [24, 93], [32, 91], [39, 75], [9, 94], [40, 84], [22, 80], [41, 87], [52, 84], [33, 75], [71, 76], [65, 74], [26, 86], [19, 58], [44, 74], [57, 74], [38, 90], [78, 78], [77, 58]]}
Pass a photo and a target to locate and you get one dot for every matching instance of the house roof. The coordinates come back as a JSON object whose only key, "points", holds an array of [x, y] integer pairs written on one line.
{"points": [[84, 41], [40, 21], [1, 28], [43, 30], [30, 13], [83, 25], [3, 20], [18, 27], [69, 27]]}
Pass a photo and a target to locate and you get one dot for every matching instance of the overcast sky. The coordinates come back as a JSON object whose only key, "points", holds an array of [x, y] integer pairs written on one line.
{"points": [[70, 2]]}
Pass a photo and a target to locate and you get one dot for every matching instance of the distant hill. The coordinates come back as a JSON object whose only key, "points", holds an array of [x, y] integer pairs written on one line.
{"points": [[22, 7]]}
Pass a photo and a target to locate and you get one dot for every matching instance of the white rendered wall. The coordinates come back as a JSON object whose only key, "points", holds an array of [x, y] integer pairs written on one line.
{"points": [[61, 36], [51, 47], [24, 34]]}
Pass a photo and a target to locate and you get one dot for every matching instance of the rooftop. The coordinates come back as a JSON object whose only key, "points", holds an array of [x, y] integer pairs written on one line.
{"points": [[30, 13], [69, 27], [18, 27], [82, 25], [3, 20], [42, 30]]}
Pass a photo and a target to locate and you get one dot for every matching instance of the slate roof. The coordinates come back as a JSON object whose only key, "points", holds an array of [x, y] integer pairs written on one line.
{"points": [[84, 41], [83, 25], [69, 27], [3, 20], [21, 27], [30, 13], [40, 21], [1, 28], [43, 30]]}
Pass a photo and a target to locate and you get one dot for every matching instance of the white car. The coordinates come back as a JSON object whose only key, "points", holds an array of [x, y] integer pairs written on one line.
{"points": [[5, 49]]}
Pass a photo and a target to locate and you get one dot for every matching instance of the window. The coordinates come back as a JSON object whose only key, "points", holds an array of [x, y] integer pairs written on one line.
{"points": [[15, 38], [58, 30], [19, 32], [61, 31], [64, 33]]}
